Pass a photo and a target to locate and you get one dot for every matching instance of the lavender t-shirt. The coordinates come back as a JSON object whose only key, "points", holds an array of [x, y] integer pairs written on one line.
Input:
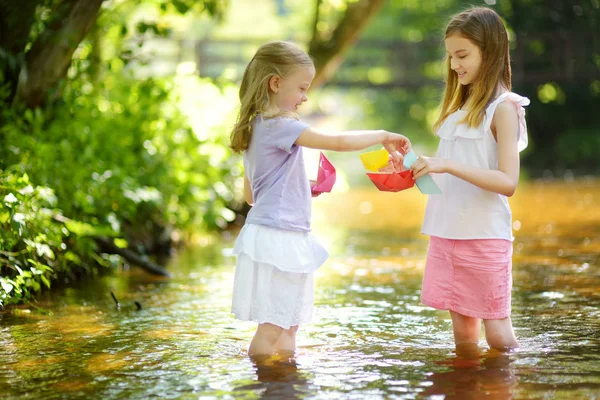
{"points": [[275, 167]]}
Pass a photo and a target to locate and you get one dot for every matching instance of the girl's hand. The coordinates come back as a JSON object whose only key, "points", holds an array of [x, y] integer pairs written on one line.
{"points": [[312, 185], [425, 165], [390, 167], [397, 145]]}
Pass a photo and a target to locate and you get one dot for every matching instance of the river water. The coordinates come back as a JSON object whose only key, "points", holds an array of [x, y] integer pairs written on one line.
{"points": [[370, 339]]}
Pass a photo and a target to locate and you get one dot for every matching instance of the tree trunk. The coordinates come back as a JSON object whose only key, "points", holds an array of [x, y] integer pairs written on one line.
{"points": [[328, 54], [50, 55], [16, 18]]}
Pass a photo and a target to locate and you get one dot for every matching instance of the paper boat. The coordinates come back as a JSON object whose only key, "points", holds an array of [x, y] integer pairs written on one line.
{"points": [[392, 182], [325, 176], [373, 160]]}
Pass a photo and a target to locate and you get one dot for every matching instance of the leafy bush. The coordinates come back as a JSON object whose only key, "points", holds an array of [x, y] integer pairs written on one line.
{"points": [[116, 158], [35, 249]]}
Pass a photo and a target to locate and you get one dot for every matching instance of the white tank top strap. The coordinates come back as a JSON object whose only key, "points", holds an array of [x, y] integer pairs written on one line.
{"points": [[520, 102]]}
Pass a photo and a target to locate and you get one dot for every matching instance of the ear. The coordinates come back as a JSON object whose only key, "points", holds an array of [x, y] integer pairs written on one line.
{"points": [[274, 83]]}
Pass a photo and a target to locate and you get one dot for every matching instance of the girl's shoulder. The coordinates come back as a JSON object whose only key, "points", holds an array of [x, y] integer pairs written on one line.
{"points": [[454, 125], [507, 104], [276, 122], [280, 131], [512, 97]]}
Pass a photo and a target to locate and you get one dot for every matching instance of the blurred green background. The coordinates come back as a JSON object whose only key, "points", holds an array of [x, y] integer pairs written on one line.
{"points": [[115, 115]]}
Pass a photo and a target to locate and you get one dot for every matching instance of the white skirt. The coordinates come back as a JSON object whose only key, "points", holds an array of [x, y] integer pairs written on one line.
{"points": [[274, 280]]}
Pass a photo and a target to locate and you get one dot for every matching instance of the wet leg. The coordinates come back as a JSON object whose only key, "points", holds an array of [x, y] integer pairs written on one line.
{"points": [[264, 340], [500, 335], [287, 341], [466, 329]]}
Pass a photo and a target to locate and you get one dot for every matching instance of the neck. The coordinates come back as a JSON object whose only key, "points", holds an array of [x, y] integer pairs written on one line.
{"points": [[272, 109], [500, 89]]}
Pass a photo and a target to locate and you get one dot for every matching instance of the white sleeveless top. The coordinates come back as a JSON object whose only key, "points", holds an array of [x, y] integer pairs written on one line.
{"points": [[463, 210]]}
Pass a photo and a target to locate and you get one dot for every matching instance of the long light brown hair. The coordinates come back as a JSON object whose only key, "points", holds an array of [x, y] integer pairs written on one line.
{"points": [[484, 28], [271, 59]]}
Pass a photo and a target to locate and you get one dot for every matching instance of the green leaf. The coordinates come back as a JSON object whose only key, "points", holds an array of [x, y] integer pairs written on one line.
{"points": [[180, 6], [46, 281], [121, 243], [80, 228], [4, 217]]}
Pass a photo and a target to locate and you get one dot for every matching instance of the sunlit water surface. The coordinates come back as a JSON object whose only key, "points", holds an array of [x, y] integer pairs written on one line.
{"points": [[371, 338]]}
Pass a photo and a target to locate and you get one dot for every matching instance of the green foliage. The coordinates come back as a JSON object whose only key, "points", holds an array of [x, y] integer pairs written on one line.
{"points": [[117, 159], [117, 155], [561, 75], [34, 248], [122, 154]]}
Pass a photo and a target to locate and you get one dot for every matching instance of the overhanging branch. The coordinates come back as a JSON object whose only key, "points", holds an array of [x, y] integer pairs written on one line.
{"points": [[328, 54], [49, 58]]}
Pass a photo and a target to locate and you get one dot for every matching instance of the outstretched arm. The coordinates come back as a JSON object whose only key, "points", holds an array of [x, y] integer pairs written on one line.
{"points": [[504, 180], [356, 140]]}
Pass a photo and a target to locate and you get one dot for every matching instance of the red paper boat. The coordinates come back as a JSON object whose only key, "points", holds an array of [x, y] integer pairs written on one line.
{"points": [[392, 182], [325, 176]]}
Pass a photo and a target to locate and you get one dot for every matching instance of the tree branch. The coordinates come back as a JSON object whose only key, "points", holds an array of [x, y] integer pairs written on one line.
{"points": [[50, 55], [108, 246], [328, 55]]}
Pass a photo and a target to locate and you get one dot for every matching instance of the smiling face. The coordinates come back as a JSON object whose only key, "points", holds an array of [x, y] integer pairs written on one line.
{"points": [[465, 58], [288, 93]]}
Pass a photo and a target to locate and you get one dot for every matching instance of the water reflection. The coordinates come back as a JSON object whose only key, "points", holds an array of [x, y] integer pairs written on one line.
{"points": [[474, 376], [278, 377]]}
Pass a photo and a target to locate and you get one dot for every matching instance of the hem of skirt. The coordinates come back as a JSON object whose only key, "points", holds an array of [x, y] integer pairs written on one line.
{"points": [[464, 311], [269, 321], [303, 270], [455, 237]]}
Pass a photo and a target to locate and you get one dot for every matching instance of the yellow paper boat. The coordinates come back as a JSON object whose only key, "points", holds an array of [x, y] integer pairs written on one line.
{"points": [[373, 160]]}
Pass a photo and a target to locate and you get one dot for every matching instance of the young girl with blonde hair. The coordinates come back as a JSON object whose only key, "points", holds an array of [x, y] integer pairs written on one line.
{"points": [[481, 130], [276, 254]]}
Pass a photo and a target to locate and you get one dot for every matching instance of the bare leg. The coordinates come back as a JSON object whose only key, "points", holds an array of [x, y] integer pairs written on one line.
{"points": [[287, 341], [500, 335], [264, 340], [466, 329]]}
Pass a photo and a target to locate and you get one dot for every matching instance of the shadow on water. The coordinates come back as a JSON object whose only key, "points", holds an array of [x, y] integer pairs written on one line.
{"points": [[371, 337]]}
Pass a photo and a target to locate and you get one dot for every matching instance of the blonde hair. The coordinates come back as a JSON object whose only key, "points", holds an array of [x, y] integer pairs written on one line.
{"points": [[271, 59], [484, 28]]}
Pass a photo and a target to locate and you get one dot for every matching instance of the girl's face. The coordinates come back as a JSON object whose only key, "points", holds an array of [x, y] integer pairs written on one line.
{"points": [[290, 92], [465, 58]]}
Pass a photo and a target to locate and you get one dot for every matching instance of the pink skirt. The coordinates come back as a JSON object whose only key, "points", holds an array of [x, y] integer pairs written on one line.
{"points": [[470, 277]]}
